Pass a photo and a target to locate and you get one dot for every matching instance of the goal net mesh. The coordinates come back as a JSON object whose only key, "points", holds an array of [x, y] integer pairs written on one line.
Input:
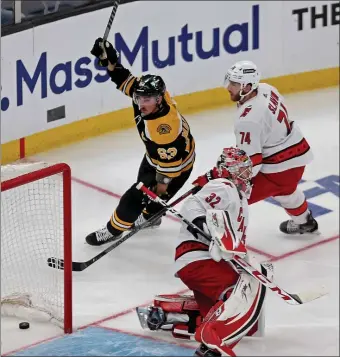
{"points": [[31, 231]]}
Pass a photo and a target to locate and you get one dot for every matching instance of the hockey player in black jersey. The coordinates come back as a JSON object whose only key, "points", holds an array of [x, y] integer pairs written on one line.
{"points": [[170, 147]]}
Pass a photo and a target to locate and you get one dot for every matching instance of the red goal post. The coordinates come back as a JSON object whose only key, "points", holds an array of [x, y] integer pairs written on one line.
{"points": [[36, 223]]}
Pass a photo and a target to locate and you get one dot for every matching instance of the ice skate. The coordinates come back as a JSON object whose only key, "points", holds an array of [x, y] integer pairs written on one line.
{"points": [[290, 227], [151, 225], [101, 236]]}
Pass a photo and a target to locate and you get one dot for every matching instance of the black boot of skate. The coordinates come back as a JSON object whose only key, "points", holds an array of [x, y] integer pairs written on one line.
{"points": [[101, 236], [290, 227], [204, 351]]}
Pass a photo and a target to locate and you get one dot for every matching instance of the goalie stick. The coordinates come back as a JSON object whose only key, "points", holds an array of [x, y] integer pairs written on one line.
{"points": [[58, 263], [240, 263]]}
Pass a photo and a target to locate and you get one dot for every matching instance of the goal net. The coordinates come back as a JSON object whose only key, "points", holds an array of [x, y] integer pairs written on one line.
{"points": [[36, 225]]}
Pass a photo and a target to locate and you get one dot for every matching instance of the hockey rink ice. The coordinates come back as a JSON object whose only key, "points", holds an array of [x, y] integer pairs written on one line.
{"points": [[105, 295]]}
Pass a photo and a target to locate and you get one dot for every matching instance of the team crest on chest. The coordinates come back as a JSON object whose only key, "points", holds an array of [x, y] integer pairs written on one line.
{"points": [[163, 129]]}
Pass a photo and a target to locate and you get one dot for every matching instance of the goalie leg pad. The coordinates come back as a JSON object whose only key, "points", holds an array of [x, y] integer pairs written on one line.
{"points": [[176, 303], [182, 314], [183, 332], [227, 322], [171, 312]]}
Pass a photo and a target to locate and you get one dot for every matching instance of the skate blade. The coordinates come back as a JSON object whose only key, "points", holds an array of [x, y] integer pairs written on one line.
{"points": [[152, 227], [315, 233], [299, 234]]}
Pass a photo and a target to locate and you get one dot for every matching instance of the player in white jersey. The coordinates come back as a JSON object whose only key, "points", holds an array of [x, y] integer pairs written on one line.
{"points": [[275, 144], [226, 304]]}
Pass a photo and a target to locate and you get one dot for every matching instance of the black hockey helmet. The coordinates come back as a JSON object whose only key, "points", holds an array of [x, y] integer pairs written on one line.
{"points": [[150, 85]]}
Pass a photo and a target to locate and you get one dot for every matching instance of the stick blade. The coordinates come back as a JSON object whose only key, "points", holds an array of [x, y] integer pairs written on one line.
{"points": [[308, 296], [77, 266], [58, 263]]}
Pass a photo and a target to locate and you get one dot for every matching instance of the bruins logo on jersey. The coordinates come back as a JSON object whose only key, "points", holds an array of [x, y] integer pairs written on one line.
{"points": [[164, 129]]}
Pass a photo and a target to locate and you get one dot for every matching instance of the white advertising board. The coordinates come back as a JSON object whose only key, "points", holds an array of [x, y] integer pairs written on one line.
{"points": [[191, 47]]}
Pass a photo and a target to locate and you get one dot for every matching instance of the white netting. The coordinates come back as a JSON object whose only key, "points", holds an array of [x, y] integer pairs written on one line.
{"points": [[31, 232]]}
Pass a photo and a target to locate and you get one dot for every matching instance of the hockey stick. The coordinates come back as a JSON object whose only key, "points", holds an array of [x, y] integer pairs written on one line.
{"points": [[112, 16], [58, 263], [293, 299]]}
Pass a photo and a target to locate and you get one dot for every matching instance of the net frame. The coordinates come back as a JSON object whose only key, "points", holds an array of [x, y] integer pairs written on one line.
{"points": [[35, 175]]}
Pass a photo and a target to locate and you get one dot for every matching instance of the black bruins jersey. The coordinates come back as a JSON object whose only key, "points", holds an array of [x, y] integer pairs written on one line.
{"points": [[170, 147]]}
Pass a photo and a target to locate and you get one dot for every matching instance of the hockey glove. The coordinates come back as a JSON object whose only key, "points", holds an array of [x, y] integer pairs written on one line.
{"points": [[153, 207], [105, 53], [201, 223], [210, 175]]}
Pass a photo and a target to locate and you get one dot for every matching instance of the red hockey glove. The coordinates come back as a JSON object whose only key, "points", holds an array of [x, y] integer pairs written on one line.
{"points": [[204, 179]]}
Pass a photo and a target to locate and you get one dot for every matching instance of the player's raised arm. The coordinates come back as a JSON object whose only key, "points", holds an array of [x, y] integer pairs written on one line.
{"points": [[108, 57]]}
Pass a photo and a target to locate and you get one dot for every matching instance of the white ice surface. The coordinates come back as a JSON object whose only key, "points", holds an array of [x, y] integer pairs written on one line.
{"points": [[142, 266]]}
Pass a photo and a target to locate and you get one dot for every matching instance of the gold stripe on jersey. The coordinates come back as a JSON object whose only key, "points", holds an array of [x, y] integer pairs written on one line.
{"points": [[170, 174], [169, 171], [174, 169], [188, 167], [126, 85], [185, 133], [171, 168], [166, 164], [190, 159], [176, 173], [164, 130], [166, 168], [191, 151]]}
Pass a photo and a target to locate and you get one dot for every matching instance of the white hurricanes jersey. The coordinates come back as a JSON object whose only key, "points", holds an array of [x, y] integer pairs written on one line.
{"points": [[219, 194], [264, 130]]}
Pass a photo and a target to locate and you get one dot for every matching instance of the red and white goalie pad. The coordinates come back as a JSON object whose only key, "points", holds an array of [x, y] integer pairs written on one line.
{"points": [[226, 241], [176, 313], [182, 316], [229, 321]]}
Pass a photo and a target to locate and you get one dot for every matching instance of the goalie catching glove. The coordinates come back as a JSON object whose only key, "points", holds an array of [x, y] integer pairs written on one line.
{"points": [[225, 243]]}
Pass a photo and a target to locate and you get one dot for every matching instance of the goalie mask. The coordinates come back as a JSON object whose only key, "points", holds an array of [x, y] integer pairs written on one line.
{"points": [[236, 165]]}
